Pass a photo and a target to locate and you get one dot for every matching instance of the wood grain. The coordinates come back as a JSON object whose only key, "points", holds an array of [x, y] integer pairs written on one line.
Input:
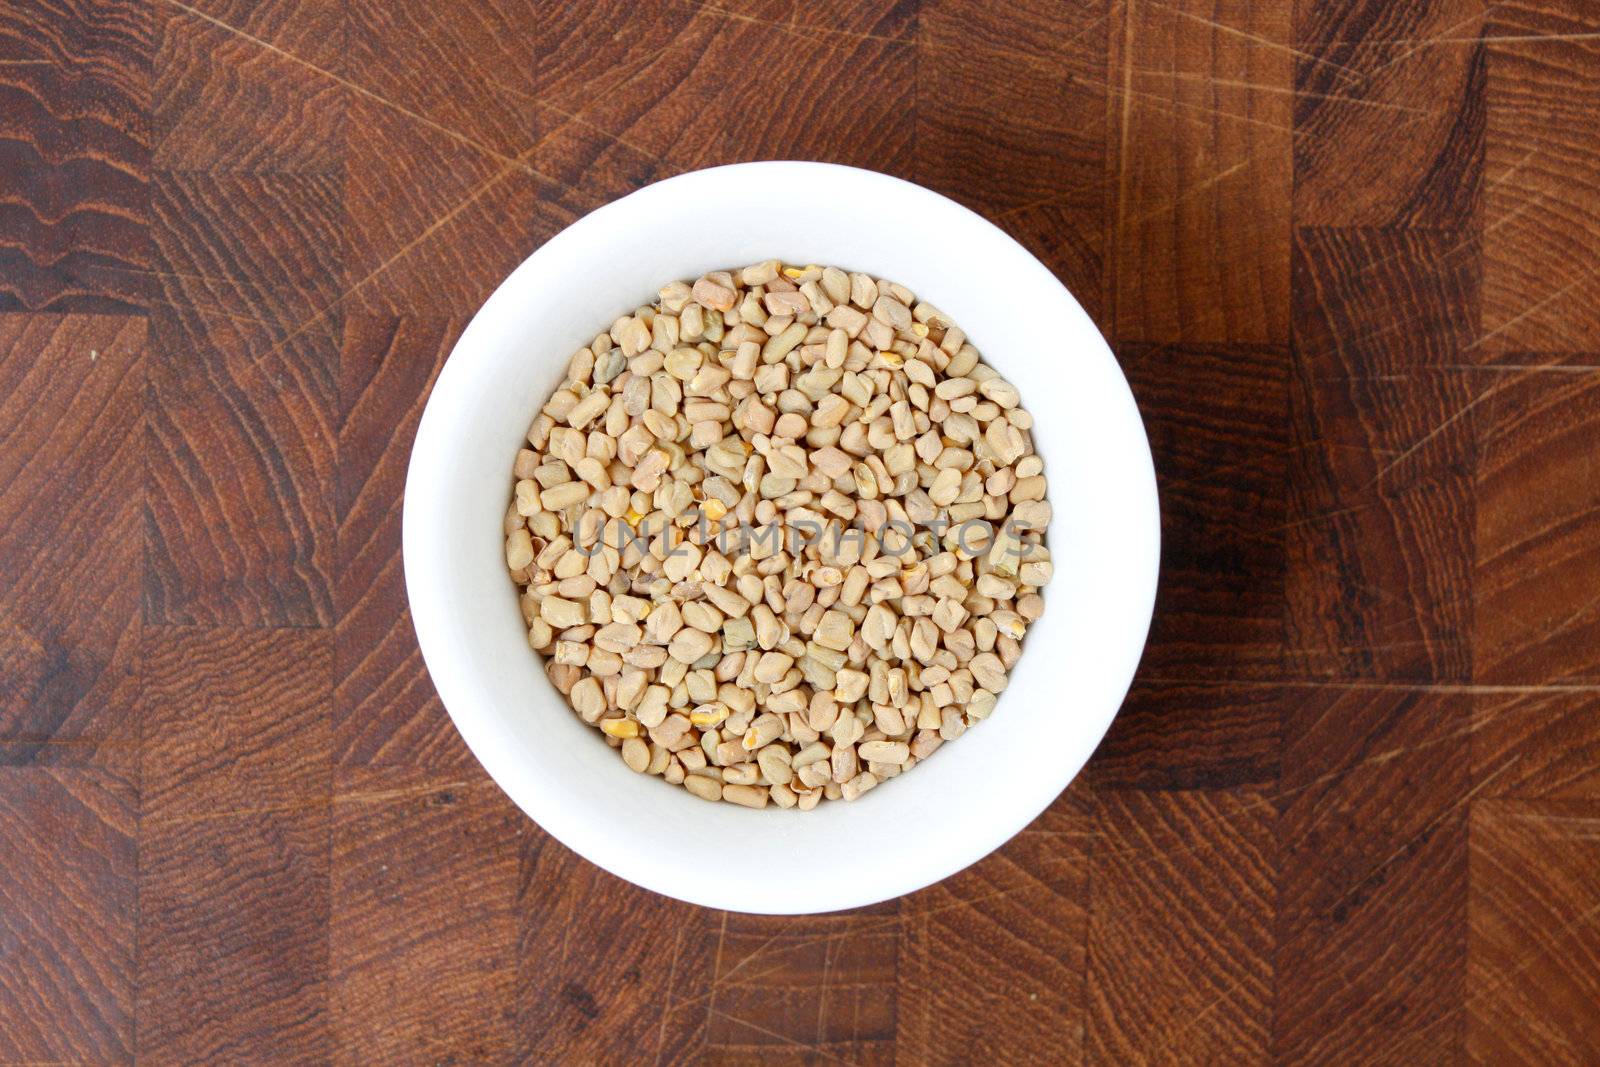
{"points": [[242, 389], [1389, 113], [229, 98], [851, 94], [233, 937], [1180, 951], [1194, 736], [1536, 744], [234, 875], [1373, 803], [71, 408], [1021, 920], [453, 199], [1536, 534], [1541, 288], [233, 718], [1342, 250], [1222, 468], [607, 972], [386, 709], [767, 1003], [422, 947], [1011, 120], [488, 99], [68, 902], [74, 155], [1202, 151], [1381, 508], [1534, 975]]}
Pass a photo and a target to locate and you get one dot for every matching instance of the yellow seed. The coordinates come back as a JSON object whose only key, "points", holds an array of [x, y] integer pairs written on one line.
{"points": [[620, 728], [708, 715], [920, 329], [892, 358], [793, 272], [1013, 628], [715, 509], [633, 517]]}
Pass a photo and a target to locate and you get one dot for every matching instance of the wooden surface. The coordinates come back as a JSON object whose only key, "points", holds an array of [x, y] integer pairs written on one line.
{"points": [[1346, 255]]}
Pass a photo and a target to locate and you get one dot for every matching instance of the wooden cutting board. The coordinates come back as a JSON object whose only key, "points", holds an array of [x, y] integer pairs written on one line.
{"points": [[1346, 255]]}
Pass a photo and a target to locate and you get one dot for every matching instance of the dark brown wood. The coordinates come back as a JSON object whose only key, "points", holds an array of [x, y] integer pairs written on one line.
{"points": [[1350, 812]]}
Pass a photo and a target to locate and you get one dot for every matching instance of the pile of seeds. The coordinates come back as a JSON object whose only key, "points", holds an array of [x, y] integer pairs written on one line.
{"points": [[779, 535]]}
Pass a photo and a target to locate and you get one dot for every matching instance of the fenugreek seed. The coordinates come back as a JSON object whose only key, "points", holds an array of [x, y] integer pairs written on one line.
{"points": [[608, 366], [713, 714], [571, 653], [772, 666], [588, 699], [925, 743], [815, 774], [835, 631], [636, 754], [981, 705], [748, 796], [562, 613], [822, 711], [519, 549], [671, 731], [620, 727], [618, 636], [660, 760], [784, 343], [945, 488], [557, 497], [858, 785], [714, 294], [1027, 489], [995, 587], [540, 634], [836, 283], [762, 732], [588, 409], [815, 752], [652, 708], [703, 787], [843, 762], [851, 687], [760, 273], [888, 310], [689, 645], [883, 751], [988, 671]]}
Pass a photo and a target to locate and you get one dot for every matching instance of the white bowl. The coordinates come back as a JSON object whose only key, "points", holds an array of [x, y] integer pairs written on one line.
{"points": [[972, 795]]}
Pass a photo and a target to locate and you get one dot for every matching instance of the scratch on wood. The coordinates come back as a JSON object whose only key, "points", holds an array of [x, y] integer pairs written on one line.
{"points": [[1256, 38], [1285, 90], [785, 1039], [356, 87]]}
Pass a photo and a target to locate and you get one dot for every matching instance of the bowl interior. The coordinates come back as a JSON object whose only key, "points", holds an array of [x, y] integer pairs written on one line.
{"points": [[972, 795]]}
